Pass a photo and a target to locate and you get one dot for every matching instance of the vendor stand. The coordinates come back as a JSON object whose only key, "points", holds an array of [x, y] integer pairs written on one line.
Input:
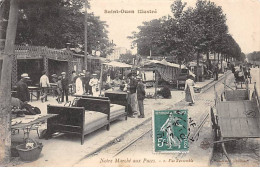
{"points": [[116, 65]]}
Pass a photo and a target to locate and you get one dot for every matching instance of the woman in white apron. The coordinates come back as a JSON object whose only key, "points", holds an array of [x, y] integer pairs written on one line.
{"points": [[79, 85], [189, 91]]}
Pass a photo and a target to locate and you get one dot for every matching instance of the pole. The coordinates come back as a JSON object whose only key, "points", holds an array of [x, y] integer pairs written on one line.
{"points": [[5, 87], [198, 65], [101, 80], [86, 36], [156, 83]]}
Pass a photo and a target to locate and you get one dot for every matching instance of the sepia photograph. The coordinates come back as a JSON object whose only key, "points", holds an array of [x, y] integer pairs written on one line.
{"points": [[129, 83]]}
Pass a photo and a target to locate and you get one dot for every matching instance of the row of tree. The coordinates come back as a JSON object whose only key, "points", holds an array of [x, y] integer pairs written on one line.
{"points": [[254, 56], [188, 31], [54, 23]]}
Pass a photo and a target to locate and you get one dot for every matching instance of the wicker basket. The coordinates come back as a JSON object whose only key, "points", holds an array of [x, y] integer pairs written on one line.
{"points": [[29, 154]]}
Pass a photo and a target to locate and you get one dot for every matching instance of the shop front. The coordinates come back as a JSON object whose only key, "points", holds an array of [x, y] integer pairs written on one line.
{"points": [[33, 60]]}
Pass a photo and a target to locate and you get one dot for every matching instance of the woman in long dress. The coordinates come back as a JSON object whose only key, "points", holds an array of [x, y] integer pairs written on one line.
{"points": [[189, 91], [79, 85]]}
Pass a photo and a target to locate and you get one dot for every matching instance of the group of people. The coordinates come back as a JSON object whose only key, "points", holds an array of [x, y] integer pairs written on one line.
{"points": [[136, 90], [241, 73], [85, 83], [61, 86]]}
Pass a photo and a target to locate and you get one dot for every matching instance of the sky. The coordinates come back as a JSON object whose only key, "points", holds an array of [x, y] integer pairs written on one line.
{"points": [[242, 18]]}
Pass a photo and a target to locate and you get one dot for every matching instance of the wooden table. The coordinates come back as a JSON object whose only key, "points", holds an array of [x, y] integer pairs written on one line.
{"points": [[31, 89], [27, 127], [34, 89]]}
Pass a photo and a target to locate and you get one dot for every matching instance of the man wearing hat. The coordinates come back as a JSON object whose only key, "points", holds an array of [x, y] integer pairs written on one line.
{"points": [[140, 96], [79, 84], [132, 95], [54, 78], [59, 89], [22, 88], [65, 87], [44, 84], [94, 84], [86, 79]]}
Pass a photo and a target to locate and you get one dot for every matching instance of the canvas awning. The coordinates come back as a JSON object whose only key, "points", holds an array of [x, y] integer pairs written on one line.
{"points": [[165, 63], [118, 64]]}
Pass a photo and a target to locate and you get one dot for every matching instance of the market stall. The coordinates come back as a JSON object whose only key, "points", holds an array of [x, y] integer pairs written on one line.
{"points": [[168, 73]]}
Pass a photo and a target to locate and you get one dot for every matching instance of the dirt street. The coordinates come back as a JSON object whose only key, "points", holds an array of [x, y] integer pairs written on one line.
{"points": [[140, 151]]}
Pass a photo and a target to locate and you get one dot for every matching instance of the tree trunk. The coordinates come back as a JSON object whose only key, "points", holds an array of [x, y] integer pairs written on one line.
{"points": [[2, 23], [5, 87], [218, 57], [198, 64], [208, 59], [222, 56]]}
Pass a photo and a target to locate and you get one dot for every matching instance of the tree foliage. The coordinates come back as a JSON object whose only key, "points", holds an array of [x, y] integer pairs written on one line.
{"points": [[254, 56], [201, 29], [53, 23], [127, 58]]}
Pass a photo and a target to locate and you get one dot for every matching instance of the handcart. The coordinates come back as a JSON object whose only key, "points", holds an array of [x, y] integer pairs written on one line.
{"points": [[236, 120]]}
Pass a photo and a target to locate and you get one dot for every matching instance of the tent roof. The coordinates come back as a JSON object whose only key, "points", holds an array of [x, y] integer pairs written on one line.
{"points": [[164, 62], [118, 64]]}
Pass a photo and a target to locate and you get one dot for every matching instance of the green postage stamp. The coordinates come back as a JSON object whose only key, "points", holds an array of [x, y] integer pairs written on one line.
{"points": [[170, 131]]}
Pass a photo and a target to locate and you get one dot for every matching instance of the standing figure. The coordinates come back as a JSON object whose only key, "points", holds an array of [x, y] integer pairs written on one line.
{"points": [[249, 74], [65, 87], [44, 84], [73, 81], [140, 96], [22, 88], [216, 70], [232, 68], [93, 83], [79, 84], [132, 95], [54, 78], [59, 89], [88, 88], [172, 140], [189, 91]]}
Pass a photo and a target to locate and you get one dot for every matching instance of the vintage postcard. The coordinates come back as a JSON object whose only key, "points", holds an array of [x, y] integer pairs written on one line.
{"points": [[129, 83]]}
